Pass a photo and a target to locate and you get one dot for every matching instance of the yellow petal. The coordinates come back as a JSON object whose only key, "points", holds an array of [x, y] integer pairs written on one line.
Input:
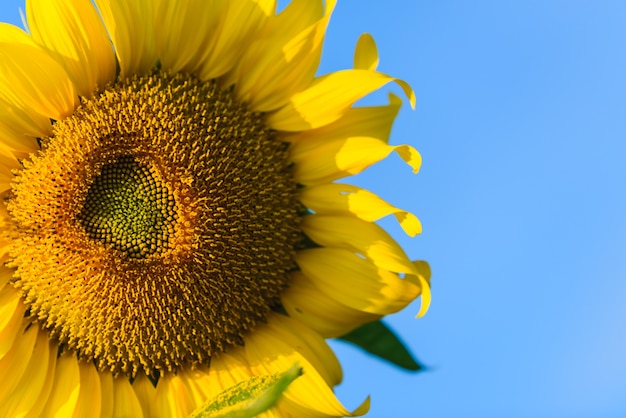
{"points": [[32, 384], [5, 247], [289, 408], [322, 161], [39, 402], [20, 123], [131, 26], [16, 129], [12, 33], [240, 22], [370, 121], [226, 370], [356, 282], [107, 394], [6, 274], [90, 397], [422, 279], [11, 315], [230, 370], [125, 401], [178, 47], [305, 302], [268, 353], [267, 7], [198, 386], [75, 36], [365, 238], [65, 389], [9, 160], [423, 269], [32, 81], [347, 146], [366, 53], [298, 15], [173, 398], [20, 128], [330, 97], [344, 199], [284, 62], [146, 394], [310, 345], [16, 360], [275, 412]]}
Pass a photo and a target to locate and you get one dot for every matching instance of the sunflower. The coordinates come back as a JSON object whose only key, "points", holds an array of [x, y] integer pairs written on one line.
{"points": [[170, 222]]}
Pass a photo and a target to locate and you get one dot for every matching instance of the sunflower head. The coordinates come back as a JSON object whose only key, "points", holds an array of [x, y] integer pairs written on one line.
{"points": [[171, 225], [160, 205]]}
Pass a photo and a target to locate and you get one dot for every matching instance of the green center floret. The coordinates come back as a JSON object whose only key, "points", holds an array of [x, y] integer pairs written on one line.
{"points": [[128, 208]]}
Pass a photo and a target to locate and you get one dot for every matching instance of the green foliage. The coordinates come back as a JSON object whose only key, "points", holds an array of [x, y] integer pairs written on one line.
{"points": [[377, 339], [249, 398]]}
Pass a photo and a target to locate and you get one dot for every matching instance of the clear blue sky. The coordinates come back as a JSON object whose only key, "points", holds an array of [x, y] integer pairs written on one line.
{"points": [[521, 121]]}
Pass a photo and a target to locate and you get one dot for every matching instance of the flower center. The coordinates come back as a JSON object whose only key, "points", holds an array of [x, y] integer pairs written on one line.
{"points": [[155, 227], [128, 208]]}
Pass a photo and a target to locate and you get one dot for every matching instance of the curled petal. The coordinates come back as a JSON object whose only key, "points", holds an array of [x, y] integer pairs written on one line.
{"points": [[322, 161], [372, 242], [365, 238], [348, 146], [355, 281], [330, 97], [344, 199], [370, 121], [422, 279]]}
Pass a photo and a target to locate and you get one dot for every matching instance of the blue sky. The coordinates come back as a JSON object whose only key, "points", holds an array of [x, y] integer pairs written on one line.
{"points": [[520, 119]]}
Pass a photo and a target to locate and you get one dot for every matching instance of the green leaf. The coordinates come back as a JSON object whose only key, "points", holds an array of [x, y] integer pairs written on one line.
{"points": [[248, 398], [377, 339]]}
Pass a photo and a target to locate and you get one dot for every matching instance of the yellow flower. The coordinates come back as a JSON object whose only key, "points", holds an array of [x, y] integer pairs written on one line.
{"points": [[171, 226]]}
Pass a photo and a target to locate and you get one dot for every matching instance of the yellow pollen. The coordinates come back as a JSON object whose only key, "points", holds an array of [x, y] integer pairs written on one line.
{"points": [[156, 226]]}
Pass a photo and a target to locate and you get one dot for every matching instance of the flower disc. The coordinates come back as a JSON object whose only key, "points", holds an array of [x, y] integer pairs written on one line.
{"points": [[156, 226]]}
